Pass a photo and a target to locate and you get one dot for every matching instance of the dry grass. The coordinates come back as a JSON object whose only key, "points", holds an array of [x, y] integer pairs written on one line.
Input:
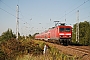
{"points": [[32, 50], [51, 54]]}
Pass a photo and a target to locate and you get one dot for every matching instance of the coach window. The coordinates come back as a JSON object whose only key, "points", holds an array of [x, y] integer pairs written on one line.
{"points": [[61, 29]]}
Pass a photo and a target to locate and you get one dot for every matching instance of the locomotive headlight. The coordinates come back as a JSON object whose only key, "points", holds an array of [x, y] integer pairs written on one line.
{"points": [[69, 36], [61, 36]]}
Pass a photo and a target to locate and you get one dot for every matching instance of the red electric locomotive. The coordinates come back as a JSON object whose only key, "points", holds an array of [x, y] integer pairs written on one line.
{"points": [[60, 33]]}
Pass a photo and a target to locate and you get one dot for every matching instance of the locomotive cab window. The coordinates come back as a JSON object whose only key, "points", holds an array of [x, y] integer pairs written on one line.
{"points": [[61, 29], [67, 30]]}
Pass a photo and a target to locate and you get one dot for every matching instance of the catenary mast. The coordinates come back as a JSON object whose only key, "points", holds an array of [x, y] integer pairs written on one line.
{"points": [[17, 22], [77, 27]]}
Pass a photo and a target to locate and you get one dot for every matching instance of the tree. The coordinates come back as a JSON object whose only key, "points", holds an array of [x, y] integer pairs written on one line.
{"points": [[30, 36], [84, 33], [7, 35], [34, 35]]}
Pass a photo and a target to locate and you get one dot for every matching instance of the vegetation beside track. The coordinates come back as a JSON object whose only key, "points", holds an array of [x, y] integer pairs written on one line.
{"points": [[10, 49], [29, 49]]}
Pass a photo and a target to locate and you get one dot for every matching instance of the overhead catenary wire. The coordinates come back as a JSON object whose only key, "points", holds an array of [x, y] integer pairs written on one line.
{"points": [[75, 8], [8, 6], [11, 14], [12, 9], [7, 12]]}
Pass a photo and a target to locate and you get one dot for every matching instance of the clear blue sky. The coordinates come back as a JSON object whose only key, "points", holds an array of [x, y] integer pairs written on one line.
{"points": [[35, 15]]}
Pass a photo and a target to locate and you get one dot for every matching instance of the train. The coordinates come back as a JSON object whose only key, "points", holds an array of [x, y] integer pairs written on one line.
{"points": [[61, 34]]}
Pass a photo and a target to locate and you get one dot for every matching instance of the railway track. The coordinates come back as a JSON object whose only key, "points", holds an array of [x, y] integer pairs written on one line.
{"points": [[82, 52], [80, 49]]}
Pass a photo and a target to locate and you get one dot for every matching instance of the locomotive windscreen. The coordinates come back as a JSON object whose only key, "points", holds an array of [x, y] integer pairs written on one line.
{"points": [[61, 29], [67, 29], [64, 29]]}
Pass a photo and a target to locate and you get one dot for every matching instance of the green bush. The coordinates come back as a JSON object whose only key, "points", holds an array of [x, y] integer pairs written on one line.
{"points": [[7, 35]]}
